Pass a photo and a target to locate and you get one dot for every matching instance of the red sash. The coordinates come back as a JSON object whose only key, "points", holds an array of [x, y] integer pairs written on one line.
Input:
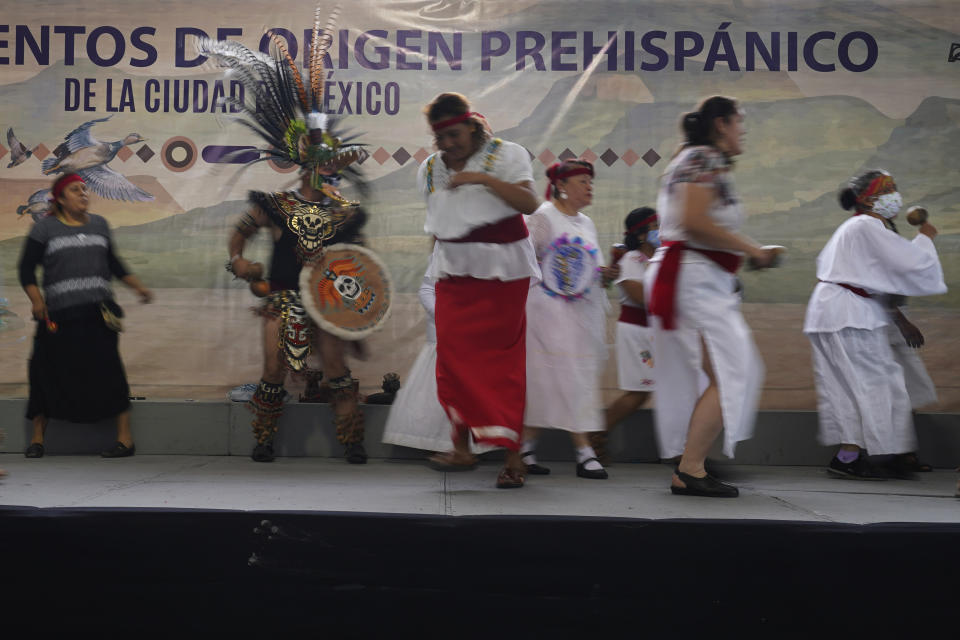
{"points": [[501, 232], [849, 287], [664, 293], [633, 315]]}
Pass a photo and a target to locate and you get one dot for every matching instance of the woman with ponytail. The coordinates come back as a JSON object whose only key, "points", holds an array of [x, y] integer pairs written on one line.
{"points": [[693, 305], [862, 399]]}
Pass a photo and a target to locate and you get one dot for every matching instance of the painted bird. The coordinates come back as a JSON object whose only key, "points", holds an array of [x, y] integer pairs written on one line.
{"points": [[18, 151], [83, 154], [38, 204]]}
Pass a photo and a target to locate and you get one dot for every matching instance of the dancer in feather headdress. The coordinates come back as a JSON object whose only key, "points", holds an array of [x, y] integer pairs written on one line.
{"points": [[286, 112]]}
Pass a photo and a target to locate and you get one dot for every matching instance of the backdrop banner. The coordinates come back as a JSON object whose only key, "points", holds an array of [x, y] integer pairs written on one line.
{"points": [[828, 90]]}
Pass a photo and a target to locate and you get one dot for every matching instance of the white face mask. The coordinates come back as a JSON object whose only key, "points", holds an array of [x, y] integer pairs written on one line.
{"points": [[888, 205]]}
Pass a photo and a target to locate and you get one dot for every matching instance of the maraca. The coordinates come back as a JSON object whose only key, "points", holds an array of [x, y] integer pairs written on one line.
{"points": [[916, 216]]}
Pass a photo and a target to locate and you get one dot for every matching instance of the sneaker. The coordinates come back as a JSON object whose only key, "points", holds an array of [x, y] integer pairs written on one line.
{"points": [[859, 469]]}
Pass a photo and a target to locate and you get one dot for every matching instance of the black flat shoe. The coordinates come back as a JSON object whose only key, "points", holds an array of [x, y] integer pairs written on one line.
{"points": [[591, 474], [707, 486], [35, 450], [534, 469], [119, 450], [262, 453], [355, 453]]}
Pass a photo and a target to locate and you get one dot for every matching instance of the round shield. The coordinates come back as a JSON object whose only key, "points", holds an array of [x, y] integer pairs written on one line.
{"points": [[347, 292], [569, 267]]}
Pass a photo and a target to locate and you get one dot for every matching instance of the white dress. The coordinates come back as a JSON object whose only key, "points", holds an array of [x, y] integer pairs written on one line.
{"points": [[861, 391], [565, 338], [706, 307], [416, 418], [634, 342], [920, 387]]}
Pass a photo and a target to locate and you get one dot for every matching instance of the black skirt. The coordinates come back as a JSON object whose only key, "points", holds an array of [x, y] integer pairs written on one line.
{"points": [[75, 372]]}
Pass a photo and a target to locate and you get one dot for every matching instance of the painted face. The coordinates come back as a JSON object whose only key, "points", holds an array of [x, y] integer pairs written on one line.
{"points": [[731, 134], [75, 198], [888, 205], [456, 141], [579, 190]]}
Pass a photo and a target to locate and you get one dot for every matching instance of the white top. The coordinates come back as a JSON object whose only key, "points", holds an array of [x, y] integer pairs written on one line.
{"points": [[453, 213], [633, 265], [708, 167], [863, 253]]}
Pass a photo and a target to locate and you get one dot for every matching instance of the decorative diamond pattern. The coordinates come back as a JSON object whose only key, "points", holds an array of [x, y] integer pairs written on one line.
{"points": [[609, 157], [421, 155], [651, 157], [401, 156], [566, 154], [124, 153], [546, 157], [589, 156], [381, 155], [41, 151], [145, 153], [630, 157]]}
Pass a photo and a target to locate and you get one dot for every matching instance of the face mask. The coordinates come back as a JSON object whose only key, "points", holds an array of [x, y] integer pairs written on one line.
{"points": [[653, 237], [888, 205]]}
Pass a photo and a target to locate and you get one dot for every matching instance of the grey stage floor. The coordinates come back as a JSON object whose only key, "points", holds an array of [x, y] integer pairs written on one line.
{"points": [[391, 486]]}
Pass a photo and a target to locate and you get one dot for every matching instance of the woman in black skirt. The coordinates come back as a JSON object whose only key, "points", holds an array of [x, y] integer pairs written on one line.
{"points": [[75, 370]]}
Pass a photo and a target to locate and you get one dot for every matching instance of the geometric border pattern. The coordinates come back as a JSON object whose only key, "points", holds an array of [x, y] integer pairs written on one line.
{"points": [[402, 156]]}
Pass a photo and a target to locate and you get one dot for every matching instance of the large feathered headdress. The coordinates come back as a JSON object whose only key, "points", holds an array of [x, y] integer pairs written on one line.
{"points": [[283, 109]]}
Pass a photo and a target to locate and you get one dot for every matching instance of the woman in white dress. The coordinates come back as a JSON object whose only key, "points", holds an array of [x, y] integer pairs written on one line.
{"points": [[862, 397], [693, 305], [566, 320]]}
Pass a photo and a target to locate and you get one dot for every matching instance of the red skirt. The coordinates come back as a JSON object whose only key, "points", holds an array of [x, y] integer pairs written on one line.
{"points": [[482, 357]]}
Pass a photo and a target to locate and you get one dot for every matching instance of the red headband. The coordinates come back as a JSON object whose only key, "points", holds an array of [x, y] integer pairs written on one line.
{"points": [[555, 175], [62, 183], [449, 122], [878, 186], [644, 222]]}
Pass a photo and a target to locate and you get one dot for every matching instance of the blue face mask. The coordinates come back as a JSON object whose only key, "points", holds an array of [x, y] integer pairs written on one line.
{"points": [[653, 237]]}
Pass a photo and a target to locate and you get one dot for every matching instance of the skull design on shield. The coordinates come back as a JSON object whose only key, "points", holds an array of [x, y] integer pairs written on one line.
{"points": [[347, 286]]}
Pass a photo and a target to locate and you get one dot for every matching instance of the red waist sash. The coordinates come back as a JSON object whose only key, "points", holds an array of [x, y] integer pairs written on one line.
{"points": [[664, 293], [633, 315], [501, 232], [849, 287]]}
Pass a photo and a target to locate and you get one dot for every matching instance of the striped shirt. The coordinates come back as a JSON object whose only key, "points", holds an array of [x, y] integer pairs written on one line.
{"points": [[78, 262]]}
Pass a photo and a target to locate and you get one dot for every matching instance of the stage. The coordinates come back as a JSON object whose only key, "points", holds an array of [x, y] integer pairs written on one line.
{"points": [[200, 544]]}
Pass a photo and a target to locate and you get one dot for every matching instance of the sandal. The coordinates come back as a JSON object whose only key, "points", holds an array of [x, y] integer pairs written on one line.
{"points": [[35, 450], [510, 478], [707, 486], [452, 461]]}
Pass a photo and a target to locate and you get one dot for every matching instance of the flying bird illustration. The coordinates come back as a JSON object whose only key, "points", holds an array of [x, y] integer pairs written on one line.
{"points": [[83, 154], [38, 204], [18, 151]]}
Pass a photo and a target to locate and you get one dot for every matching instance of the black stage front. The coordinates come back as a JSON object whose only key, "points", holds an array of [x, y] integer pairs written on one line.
{"points": [[192, 572]]}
